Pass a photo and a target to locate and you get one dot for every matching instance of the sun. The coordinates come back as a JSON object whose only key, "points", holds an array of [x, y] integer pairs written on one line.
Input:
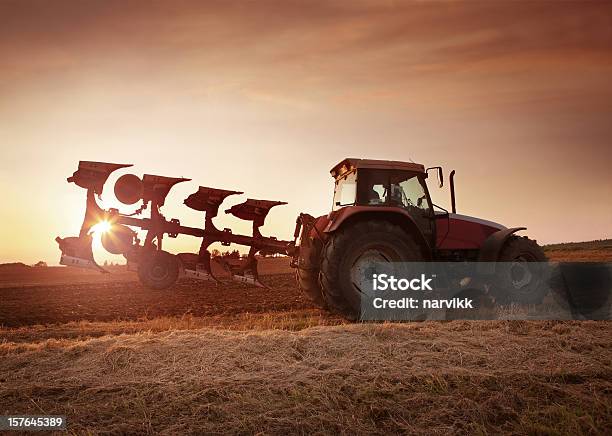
{"points": [[101, 227]]}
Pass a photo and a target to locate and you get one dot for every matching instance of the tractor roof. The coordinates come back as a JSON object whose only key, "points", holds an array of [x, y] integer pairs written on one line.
{"points": [[350, 163]]}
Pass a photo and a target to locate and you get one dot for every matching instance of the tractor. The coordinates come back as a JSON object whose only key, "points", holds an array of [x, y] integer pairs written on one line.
{"points": [[382, 211]]}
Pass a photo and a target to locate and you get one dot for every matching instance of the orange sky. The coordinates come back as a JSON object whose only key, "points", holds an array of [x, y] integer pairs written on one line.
{"points": [[265, 97]]}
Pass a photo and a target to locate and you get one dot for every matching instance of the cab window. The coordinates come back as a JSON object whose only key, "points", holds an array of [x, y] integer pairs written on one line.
{"points": [[409, 193], [373, 187], [345, 190], [405, 189]]}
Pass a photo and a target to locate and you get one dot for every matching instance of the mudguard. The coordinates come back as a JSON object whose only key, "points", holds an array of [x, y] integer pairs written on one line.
{"points": [[394, 214], [489, 252]]}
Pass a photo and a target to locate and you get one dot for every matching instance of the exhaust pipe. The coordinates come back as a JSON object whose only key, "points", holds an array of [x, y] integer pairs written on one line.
{"points": [[452, 191]]}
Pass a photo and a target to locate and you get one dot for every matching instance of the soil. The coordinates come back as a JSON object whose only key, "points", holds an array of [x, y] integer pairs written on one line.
{"points": [[202, 358]]}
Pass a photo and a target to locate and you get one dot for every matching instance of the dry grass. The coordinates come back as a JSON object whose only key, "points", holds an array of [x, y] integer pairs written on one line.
{"points": [[290, 320], [579, 255], [599, 244], [299, 370], [430, 378], [591, 251]]}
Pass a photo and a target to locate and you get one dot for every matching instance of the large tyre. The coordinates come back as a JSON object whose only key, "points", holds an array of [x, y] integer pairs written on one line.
{"points": [[583, 289], [521, 275], [309, 262], [158, 269], [352, 248], [307, 273]]}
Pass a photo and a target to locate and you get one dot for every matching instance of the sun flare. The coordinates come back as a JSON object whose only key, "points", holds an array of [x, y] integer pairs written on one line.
{"points": [[101, 227]]}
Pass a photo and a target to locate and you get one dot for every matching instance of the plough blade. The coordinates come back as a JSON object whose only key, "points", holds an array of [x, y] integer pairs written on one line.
{"points": [[93, 175], [245, 271], [156, 188], [254, 210], [197, 267], [77, 252], [208, 199], [242, 270], [248, 279]]}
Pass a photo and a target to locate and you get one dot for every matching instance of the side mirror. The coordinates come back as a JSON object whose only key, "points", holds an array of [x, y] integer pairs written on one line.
{"points": [[440, 175]]}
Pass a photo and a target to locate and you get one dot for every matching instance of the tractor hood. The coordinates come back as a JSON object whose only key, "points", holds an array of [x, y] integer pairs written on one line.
{"points": [[460, 232], [480, 221]]}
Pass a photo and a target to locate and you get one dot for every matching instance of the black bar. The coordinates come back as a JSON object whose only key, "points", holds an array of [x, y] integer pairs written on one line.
{"points": [[452, 191]]}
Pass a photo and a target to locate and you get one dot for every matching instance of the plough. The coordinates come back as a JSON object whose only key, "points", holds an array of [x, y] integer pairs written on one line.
{"points": [[159, 269]]}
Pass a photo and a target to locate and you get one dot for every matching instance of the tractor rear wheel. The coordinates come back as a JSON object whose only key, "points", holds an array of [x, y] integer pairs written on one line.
{"points": [[158, 269], [522, 277], [351, 250]]}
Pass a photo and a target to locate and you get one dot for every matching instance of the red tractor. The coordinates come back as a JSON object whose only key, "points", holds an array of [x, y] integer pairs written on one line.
{"points": [[382, 211]]}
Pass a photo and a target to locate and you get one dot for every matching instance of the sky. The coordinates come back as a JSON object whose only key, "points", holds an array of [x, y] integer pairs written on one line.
{"points": [[266, 96]]}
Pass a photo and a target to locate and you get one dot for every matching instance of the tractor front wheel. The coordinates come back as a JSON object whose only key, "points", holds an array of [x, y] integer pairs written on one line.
{"points": [[307, 275], [158, 269], [350, 251], [522, 275], [309, 261]]}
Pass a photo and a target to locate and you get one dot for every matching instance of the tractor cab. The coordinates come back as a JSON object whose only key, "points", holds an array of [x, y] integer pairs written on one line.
{"points": [[399, 191], [385, 184], [382, 212], [365, 182]]}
